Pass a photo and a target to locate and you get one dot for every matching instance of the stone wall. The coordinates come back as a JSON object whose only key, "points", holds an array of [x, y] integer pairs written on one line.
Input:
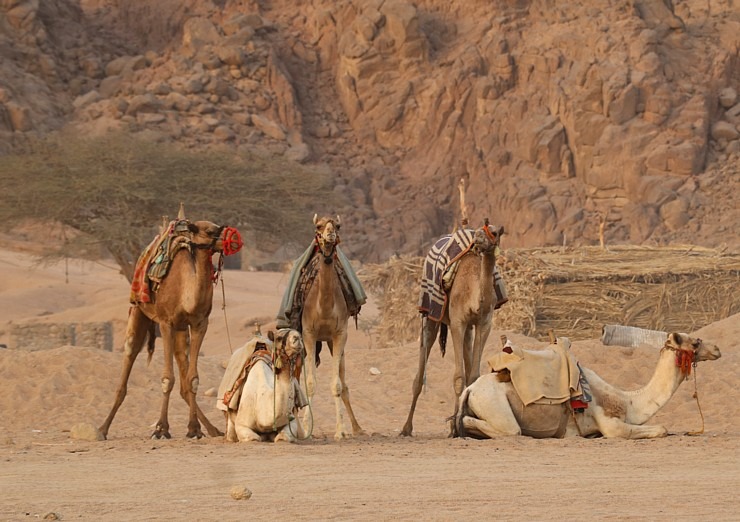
{"points": [[44, 336]]}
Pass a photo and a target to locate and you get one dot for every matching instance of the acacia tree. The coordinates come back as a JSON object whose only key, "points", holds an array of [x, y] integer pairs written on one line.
{"points": [[115, 189]]}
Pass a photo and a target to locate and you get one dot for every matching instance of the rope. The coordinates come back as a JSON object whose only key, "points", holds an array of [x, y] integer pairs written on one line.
{"points": [[310, 409], [223, 307], [696, 396], [422, 348], [575, 421]]}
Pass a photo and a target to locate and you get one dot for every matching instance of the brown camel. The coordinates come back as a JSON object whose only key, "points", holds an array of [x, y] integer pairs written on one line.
{"points": [[324, 318], [181, 307], [469, 313]]}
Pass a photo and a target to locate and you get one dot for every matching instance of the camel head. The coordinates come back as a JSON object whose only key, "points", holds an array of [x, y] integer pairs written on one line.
{"points": [[288, 344], [486, 238], [690, 351], [327, 233], [207, 235]]}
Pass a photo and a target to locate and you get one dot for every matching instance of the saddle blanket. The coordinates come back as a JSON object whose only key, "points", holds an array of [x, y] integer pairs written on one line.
{"points": [[154, 263], [441, 257], [549, 376], [301, 278]]}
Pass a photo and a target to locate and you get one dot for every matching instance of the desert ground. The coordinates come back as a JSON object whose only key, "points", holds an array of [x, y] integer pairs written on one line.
{"points": [[45, 473]]}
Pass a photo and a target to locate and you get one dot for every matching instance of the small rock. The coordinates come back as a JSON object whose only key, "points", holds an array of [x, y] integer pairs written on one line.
{"points": [[85, 431], [727, 97], [210, 392], [224, 364], [52, 516], [240, 493], [374, 371]]}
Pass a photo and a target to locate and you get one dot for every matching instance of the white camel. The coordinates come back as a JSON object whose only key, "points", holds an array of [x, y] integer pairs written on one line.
{"points": [[491, 408], [271, 394]]}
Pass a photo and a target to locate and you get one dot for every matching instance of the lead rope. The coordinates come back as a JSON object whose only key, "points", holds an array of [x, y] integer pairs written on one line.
{"points": [[223, 307], [696, 396], [310, 409]]}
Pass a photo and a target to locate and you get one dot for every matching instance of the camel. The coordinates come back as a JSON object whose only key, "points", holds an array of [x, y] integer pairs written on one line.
{"points": [[490, 408], [181, 308], [324, 319], [270, 394], [469, 313]]}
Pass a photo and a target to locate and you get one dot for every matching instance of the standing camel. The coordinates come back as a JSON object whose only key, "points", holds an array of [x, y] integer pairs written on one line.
{"points": [[468, 314], [491, 407], [324, 319], [180, 306]]}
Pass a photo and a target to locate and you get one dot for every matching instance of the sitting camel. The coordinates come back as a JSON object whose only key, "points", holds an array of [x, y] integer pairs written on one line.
{"points": [[271, 394], [469, 313], [490, 408], [180, 305]]}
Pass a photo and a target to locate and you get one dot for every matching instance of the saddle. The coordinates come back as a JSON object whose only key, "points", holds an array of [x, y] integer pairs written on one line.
{"points": [[305, 282], [549, 376]]}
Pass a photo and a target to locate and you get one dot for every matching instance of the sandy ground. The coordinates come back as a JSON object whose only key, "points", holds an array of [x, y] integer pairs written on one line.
{"points": [[374, 477]]}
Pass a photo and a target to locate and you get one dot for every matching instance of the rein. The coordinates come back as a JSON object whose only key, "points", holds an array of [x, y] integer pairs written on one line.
{"points": [[685, 360]]}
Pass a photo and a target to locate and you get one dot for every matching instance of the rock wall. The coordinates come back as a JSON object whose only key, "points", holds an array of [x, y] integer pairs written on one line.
{"points": [[559, 115], [45, 336]]}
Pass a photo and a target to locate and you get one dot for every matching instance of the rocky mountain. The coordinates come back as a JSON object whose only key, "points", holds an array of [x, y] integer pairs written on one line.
{"points": [[559, 115]]}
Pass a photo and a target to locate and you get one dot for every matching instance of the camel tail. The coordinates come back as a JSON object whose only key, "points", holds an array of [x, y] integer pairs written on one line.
{"points": [[443, 338], [151, 337], [462, 411]]}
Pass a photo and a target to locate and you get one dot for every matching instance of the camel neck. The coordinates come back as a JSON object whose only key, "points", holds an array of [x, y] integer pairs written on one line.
{"points": [[647, 401]]}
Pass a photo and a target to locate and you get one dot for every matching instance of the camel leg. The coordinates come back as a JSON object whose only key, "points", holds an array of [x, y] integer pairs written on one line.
{"points": [[197, 333], [482, 330], [162, 429], [336, 382], [356, 429], [231, 427], [136, 330], [611, 427], [309, 342], [182, 365], [428, 336], [285, 434], [486, 410], [458, 330], [468, 352], [245, 434]]}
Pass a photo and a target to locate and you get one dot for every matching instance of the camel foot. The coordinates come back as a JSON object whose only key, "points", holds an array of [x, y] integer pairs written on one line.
{"points": [[161, 434], [195, 434], [341, 435], [406, 431]]}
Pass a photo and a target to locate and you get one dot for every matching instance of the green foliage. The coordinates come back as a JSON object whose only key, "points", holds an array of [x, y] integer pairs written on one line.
{"points": [[115, 189]]}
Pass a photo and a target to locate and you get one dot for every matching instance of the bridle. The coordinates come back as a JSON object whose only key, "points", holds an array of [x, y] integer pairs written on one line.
{"points": [[685, 359], [328, 257]]}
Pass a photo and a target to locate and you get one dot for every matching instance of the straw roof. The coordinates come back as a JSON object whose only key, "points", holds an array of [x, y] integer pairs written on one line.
{"points": [[575, 291]]}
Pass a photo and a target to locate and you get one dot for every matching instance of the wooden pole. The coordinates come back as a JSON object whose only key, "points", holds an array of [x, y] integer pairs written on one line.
{"points": [[463, 206]]}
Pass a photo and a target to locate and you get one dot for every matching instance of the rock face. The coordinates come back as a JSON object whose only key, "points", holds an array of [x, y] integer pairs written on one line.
{"points": [[558, 115]]}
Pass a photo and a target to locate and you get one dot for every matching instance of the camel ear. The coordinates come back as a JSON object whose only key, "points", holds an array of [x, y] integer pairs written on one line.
{"points": [[271, 335], [338, 220], [315, 219], [675, 339]]}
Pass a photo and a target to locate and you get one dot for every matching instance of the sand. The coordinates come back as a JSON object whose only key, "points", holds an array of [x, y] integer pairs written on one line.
{"points": [[46, 473]]}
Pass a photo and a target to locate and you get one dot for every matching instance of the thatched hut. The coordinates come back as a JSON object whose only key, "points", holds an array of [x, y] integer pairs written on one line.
{"points": [[575, 291]]}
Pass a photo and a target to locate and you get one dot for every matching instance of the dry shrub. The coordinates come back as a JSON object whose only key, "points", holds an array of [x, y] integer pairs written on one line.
{"points": [[575, 291]]}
